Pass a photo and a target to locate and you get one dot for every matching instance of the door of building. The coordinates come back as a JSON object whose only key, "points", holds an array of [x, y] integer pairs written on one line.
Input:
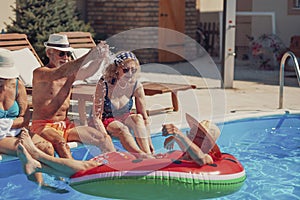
{"points": [[171, 16]]}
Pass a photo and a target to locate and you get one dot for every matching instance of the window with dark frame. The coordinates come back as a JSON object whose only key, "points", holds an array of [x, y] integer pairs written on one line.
{"points": [[297, 4], [294, 7]]}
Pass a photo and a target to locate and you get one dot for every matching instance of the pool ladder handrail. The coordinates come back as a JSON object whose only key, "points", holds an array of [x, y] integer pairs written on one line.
{"points": [[281, 79]]}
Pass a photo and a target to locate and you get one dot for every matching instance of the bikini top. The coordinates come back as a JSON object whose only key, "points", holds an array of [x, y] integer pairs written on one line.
{"points": [[109, 110], [14, 110]]}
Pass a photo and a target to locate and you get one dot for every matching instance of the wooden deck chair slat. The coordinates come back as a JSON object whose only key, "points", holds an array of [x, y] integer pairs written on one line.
{"points": [[16, 41], [80, 39], [13, 43], [77, 34], [13, 36], [14, 47], [82, 45]]}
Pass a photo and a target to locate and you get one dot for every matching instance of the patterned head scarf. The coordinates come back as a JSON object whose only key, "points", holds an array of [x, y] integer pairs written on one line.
{"points": [[121, 57]]}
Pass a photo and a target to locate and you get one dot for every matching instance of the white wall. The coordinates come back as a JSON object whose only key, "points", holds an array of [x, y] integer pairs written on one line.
{"points": [[6, 12]]}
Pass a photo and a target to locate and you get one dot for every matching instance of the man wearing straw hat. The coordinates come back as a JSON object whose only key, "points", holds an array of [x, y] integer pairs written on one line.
{"points": [[52, 85]]}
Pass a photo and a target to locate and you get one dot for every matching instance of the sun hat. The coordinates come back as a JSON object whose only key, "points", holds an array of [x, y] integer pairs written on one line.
{"points": [[8, 69], [208, 129], [59, 42]]}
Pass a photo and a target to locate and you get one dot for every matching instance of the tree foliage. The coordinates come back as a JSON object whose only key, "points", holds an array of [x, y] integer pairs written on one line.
{"points": [[40, 18]]}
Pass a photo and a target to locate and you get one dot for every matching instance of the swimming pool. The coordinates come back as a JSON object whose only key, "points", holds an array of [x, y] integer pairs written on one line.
{"points": [[268, 147]]}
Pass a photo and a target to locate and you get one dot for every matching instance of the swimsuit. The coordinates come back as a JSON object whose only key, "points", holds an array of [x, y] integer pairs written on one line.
{"points": [[7, 117], [61, 127], [13, 111], [111, 114]]}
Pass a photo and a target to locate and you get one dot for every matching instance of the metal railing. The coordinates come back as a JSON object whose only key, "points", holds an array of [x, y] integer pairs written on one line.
{"points": [[281, 79]]}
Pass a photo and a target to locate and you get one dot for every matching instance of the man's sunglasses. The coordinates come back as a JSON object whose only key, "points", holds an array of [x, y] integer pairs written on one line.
{"points": [[63, 53], [126, 70]]}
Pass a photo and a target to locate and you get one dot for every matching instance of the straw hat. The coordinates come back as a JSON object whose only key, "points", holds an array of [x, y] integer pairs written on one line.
{"points": [[206, 133], [8, 69], [59, 42]]}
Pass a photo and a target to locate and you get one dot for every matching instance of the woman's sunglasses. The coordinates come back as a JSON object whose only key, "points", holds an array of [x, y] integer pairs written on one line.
{"points": [[126, 70], [63, 53]]}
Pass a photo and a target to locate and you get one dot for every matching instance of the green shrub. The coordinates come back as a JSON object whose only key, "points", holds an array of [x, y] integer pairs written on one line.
{"points": [[38, 19]]}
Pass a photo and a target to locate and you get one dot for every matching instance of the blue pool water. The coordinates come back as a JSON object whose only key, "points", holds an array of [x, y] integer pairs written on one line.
{"points": [[268, 147]]}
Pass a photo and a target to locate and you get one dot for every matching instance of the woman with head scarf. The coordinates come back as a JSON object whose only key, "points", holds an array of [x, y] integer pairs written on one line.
{"points": [[115, 94]]}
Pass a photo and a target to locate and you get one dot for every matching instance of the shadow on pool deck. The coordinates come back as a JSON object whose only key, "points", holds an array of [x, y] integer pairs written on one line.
{"points": [[243, 71]]}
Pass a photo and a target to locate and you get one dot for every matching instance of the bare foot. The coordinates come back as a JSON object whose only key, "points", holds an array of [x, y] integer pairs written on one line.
{"points": [[30, 166], [207, 159], [26, 141]]}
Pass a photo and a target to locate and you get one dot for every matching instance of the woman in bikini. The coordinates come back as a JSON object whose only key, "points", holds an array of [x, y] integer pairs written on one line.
{"points": [[14, 112], [113, 100]]}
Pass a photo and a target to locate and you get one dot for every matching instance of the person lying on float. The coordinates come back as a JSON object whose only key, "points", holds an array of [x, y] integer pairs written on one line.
{"points": [[198, 145]]}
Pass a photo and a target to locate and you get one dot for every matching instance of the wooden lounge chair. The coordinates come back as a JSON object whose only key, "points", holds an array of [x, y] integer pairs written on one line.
{"points": [[26, 58], [153, 88], [17, 42]]}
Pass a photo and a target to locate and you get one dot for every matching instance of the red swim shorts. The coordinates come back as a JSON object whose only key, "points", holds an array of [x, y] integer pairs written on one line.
{"points": [[38, 126]]}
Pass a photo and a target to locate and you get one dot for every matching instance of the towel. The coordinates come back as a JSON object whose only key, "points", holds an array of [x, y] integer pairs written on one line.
{"points": [[6, 130]]}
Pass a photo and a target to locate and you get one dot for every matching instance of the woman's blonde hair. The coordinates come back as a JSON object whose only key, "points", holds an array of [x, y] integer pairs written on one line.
{"points": [[111, 73]]}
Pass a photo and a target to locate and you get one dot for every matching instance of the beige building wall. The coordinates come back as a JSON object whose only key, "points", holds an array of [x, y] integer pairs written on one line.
{"points": [[286, 25], [6, 12], [210, 5], [209, 10]]}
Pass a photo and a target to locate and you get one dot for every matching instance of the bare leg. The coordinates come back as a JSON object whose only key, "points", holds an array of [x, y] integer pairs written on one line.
{"points": [[8, 146], [58, 142], [90, 135], [46, 147], [144, 144], [52, 165], [187, 145], [130, 145], [121, 131], [136, 123], [30, 165]]}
